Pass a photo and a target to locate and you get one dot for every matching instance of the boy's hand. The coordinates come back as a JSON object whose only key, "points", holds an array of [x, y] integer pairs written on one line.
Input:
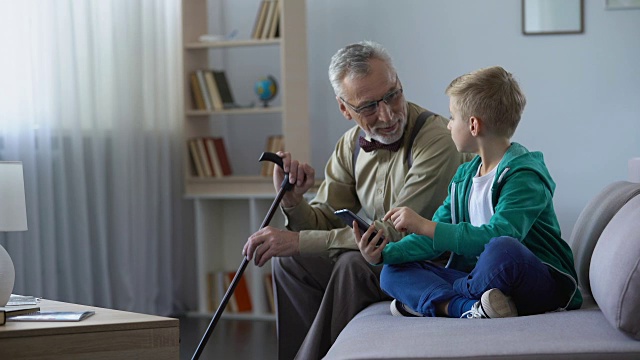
{"points": [[369, 250], [406, 220]]}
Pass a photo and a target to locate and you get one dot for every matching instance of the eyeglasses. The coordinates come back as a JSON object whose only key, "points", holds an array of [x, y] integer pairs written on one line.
{"points": [[371, 108]]}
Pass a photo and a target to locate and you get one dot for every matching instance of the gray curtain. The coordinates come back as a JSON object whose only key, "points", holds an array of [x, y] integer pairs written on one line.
{"points": [[90, 102]]}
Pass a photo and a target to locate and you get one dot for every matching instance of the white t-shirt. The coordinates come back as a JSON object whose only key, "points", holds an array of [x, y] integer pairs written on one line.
{"points": [[480, 206]]}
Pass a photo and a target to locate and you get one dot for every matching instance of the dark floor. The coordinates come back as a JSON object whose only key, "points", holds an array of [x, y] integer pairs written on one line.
{"points": [[230, 339]]}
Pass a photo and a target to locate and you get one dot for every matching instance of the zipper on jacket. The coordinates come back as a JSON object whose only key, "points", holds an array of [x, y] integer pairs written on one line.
{"points": [[453, 218], [453, 203], [502, 174]]}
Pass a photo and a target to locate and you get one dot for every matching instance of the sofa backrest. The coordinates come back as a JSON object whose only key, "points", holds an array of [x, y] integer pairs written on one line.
{"points": [[595, 216], [614, 274], [606, 245]]}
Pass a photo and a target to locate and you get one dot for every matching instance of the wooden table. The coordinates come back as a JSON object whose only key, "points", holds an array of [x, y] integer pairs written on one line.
{"points": [[109, 334]]}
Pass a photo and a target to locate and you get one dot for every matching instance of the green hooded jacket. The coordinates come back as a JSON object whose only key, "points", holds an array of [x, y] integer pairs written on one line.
{"points": [[522, 196]]}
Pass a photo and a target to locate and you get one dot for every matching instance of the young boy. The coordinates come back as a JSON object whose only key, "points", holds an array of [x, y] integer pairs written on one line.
{"points": [[498, 222]]}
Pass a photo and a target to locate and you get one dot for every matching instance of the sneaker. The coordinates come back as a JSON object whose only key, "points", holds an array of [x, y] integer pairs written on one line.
{"points": [[400, 309], [492, 305]]}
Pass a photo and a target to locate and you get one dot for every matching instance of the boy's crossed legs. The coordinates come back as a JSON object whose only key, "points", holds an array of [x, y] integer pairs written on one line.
{"points": [[505, 264]]}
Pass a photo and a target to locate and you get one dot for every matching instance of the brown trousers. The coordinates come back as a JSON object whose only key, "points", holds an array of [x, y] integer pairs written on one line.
{"points": [[317, 297]]}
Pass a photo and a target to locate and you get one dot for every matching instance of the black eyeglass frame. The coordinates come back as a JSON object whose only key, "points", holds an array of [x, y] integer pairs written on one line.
{"points": [[374, 104]]}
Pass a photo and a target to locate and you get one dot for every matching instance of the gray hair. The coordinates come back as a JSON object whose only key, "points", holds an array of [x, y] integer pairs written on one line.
{"points": [[353, 61]]}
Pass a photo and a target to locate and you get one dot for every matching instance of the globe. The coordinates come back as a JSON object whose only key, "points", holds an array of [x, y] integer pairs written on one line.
{"points": [[266, 88]]}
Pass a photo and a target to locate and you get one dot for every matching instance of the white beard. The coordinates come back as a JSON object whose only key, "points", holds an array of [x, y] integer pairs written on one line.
{"points": [[390, 138]]}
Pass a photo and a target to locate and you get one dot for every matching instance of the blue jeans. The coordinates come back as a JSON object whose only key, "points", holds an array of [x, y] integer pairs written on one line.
{"points": [[505, 264]]}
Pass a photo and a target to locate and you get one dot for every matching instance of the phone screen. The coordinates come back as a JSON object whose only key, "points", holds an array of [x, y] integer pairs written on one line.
{"points": [[348, 217]]}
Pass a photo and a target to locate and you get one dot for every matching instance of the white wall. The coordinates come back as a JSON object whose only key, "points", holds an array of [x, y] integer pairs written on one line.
{"points": [[583, 91]]}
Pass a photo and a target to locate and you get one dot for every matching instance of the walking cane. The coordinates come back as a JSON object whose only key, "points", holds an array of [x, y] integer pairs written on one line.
{"points": [[284, 187]]}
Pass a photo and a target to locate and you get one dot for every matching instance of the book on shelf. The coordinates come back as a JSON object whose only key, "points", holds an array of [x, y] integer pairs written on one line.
{"points": [[204, 155], [209, 158], [7, 312], [224, 89], [240, 300], [202, 83], [215, 158], [195, 156], [277, 32], [53, 316], [218, 283], [192, 160], [266, 27], [196, 92], [221, 152], [259, 23], [275, 22], [214, 93], [268, 287]]}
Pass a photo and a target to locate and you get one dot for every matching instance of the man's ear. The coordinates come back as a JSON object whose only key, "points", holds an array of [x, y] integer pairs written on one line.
{"points": [[474, 125], [343, 109]]}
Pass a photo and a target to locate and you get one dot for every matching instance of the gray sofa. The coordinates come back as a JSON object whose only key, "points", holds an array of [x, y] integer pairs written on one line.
{"points": [[606, 245]]}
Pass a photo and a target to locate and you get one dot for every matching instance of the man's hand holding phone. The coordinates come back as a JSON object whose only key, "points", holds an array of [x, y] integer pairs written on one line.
{"points": [[371, 242]]}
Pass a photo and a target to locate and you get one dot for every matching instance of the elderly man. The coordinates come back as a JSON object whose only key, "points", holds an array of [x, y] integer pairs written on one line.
{"points": [[399, 154]]}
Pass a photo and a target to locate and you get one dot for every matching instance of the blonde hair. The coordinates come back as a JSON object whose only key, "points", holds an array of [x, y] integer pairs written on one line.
{"points": [[491, 94]]}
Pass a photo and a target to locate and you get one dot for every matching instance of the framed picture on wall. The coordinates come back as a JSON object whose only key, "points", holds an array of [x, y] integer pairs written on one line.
{"points": [[548, 17], [621, 4]]}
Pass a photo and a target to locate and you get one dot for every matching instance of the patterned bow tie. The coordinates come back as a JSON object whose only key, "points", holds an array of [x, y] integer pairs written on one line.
{"points": [[369, 146]]}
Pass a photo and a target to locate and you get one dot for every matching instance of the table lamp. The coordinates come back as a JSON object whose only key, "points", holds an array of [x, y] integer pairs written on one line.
{"points": [[13, 217]]}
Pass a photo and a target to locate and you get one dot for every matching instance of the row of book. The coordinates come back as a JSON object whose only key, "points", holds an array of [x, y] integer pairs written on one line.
{"points": [[267, 24], [218, 283], [209, 157], [210, 90]]}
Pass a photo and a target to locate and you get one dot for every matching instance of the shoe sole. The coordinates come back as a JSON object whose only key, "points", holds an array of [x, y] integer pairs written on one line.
{"points": [[497, 305], [395, 311]]}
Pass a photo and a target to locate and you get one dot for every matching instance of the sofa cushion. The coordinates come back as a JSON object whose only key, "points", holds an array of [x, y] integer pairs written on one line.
{"points": [[577, 334], [615, 269], [592, 220]]}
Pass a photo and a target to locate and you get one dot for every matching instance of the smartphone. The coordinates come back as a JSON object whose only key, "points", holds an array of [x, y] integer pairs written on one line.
{"points": [[348, 217]]}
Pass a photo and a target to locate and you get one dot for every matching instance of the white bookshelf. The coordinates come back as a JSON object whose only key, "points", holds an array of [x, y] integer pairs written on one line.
{"points": [[229, 209]]}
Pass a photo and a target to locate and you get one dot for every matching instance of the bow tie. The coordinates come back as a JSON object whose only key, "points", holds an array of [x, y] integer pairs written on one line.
{"points": [[369, 146]]}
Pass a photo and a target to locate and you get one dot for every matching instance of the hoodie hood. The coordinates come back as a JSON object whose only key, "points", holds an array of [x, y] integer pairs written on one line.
{"points": [[517, 158]]}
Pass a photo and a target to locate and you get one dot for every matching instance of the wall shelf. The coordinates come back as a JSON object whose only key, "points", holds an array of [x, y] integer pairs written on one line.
{"points": [[236, 111], [230, 44]]}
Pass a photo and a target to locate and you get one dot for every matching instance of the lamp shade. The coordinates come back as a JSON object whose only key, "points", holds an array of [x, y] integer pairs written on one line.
{"points": [[13, 217], [13, 209]]}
